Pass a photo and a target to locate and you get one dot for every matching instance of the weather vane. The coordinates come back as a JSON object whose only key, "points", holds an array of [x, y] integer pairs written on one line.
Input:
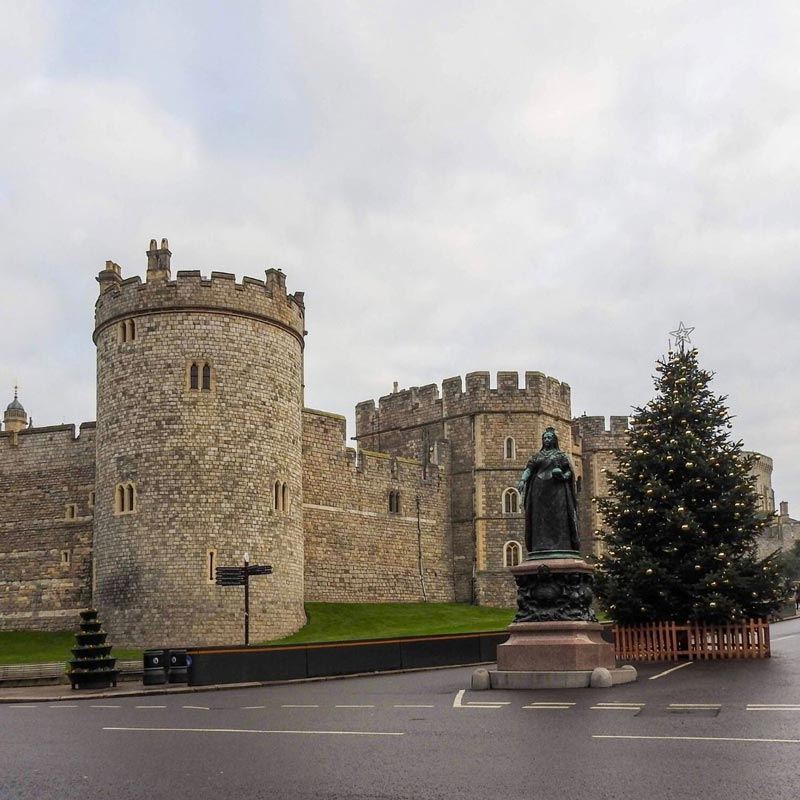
{"points": [[681, 335]]}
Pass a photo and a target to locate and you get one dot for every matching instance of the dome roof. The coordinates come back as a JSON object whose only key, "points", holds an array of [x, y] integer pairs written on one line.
{"points": [[14, 408]]}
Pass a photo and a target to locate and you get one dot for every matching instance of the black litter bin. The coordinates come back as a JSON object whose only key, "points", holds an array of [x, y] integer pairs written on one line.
{"points": [[178, 667], [155, 667]]}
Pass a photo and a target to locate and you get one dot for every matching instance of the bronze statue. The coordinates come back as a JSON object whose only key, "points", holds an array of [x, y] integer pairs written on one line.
{"points": [[548, 494]]}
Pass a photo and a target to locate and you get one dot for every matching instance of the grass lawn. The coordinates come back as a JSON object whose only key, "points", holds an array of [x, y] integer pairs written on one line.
{"points": [[326, 622], [329, 622], [34, 647]]}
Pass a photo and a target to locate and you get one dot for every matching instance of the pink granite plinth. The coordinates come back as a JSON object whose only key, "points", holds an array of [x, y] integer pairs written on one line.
{"points": [[556, 646]]}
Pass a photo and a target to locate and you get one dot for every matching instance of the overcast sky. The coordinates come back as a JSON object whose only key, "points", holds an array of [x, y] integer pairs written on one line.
{"points": [[456, 186]]}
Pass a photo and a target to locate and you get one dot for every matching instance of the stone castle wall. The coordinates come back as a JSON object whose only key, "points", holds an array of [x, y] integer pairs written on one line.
{"points": [[45, 557], [203, 462], [598, 445], [475, 420], [357, 549]]}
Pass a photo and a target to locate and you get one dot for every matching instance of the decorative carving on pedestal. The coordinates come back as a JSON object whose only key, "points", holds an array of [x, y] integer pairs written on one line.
{"points": [[544, 595]]}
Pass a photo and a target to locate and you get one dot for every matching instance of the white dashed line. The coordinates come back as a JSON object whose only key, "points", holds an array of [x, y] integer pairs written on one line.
{"points": [[197, 708], [550, 706], [290, 705], [104, 706], [409, 705], [248, 708], [354, 706], [62, 705], [150, 706]]}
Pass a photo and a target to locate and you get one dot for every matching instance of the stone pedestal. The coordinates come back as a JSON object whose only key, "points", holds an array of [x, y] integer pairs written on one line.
{"points": [[555, 646], [556, 641]]}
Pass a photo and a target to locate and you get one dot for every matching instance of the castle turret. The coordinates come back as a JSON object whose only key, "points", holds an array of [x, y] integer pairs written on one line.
{"points": [[176, 493], [15, 418], [158, 262]]}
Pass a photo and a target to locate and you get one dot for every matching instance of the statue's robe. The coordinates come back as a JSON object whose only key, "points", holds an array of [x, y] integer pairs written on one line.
{"points": [[551, 518]]}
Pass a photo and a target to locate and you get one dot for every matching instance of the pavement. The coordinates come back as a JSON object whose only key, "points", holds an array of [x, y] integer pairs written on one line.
{"points": [[716, 730]]}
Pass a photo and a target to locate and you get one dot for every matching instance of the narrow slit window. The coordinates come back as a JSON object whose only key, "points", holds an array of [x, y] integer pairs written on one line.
{"points": [[211, 558], [194, 377], [510, 448], [71, 511], [277, 496], [119, 499], [130, 497], [285, 497], [66, 558], [206, 377]]}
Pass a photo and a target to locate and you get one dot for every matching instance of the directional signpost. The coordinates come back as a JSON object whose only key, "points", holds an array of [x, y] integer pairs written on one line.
{"points": [[240, 576]]}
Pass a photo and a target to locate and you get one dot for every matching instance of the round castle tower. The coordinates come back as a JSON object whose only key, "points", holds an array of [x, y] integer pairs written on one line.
{"points": [[199, 403]]}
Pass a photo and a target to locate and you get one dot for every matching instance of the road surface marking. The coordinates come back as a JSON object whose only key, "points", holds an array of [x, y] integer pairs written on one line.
{"points": [[198, 708], [697, 738], [354, 706], [290, 705], [672, 669], [773, 708], [247, 730], [457, 702], [150, 706], [247, 708], [695, 705], [25, 705], [616, 708], [409, 705], [550, 707], [63, 705], [548, 704], [620, 703], [104, 706]]}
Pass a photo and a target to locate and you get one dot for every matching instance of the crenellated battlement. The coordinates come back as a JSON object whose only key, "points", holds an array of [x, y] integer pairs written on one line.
{"points": [[593, 433], [325, 435], [53, 435], [266, 300], [419, 405]]}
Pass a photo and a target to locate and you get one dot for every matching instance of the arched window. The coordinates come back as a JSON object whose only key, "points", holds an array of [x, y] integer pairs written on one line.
{"points": [[131, 330], [511, 501], [277, 496], [123, 332], [512, 554], [194, 377], [394, 502], [207, 377], [125, 498], [510, 450], [285, 497]]}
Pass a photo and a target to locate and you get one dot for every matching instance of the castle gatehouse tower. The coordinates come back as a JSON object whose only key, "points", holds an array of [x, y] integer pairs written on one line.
{"points": [[199, 403]]}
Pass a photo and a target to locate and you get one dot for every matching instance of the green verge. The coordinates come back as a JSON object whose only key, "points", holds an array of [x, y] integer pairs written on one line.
{"points": [[327, 622], [331, 622], [36, 647]]}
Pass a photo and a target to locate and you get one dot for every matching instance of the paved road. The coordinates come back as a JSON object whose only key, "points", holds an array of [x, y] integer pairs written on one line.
{"points": [[713, 730]]}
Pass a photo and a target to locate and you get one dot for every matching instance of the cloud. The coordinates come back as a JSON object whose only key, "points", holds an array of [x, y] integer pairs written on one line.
{"points": [[456, 187]]}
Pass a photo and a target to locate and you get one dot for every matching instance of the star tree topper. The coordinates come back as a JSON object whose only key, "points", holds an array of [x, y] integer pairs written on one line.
{"points": [[681, 335]]}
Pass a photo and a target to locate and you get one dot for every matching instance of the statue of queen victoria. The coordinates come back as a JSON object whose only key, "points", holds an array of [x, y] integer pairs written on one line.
{"points": [[548, 494]]}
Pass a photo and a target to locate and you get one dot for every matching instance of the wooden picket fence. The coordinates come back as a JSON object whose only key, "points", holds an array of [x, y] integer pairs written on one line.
{"points": [[670, 641]]}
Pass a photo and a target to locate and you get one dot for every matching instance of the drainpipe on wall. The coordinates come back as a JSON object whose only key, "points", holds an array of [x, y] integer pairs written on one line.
{"points": [[419, 551]]}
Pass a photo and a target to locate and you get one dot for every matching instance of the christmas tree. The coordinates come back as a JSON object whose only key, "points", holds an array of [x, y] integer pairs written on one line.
{"points": [[681, 517]]}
